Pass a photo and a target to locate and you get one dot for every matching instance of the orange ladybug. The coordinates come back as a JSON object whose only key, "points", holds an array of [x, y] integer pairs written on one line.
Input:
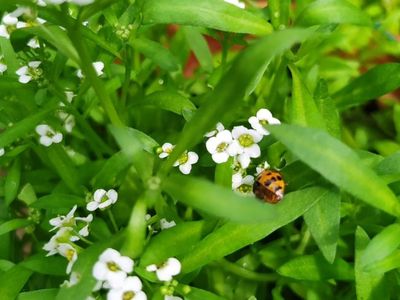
{"points": [[269, 186]]}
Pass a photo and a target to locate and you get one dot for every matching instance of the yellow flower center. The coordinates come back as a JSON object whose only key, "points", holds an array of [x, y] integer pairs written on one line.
{"points": [[221, 147], [183, 159], [128, 295], [112, 266], [245, 188], [70, 254], [263, 122], [246, 140]]}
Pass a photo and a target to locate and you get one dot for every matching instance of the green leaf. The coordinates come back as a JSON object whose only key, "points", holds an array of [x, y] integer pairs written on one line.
{"points": [[168, 100], [337, 163], [21, 128], [221, 201], [199, 294], [40, 264], [58, 200], [27, 194], [332, 11], [11, 186], [378, 81], [206, 13], [12, 281], [157, 53], [231, 89], [231, 237], [45, 294], [302, 109], [14, 224], [323, 222], [279, 13], [316, 268], [199, 46], [368, 285], [382, 245]]}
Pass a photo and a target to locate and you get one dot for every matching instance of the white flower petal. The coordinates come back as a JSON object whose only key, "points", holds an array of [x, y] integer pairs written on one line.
{"points": [[220, 157], [112, 195], [125, 263], [92, 206], [237, 131], [151, 268], [244, 160], [253, 151], [224, 136], [185, 168], [98, 66], [34, 64], [99, 194], [192, 157], [263, 114], [57, 138], [212, 144], [45, 140]]}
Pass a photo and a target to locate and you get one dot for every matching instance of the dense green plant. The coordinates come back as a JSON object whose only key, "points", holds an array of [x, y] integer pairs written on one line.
{"points": [[106, 109]]}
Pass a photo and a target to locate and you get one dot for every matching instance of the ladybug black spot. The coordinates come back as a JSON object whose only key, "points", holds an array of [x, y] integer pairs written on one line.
{"points": [[279, 177]]}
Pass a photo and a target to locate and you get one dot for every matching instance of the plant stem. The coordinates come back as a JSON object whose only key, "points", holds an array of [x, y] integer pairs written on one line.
{"points": [[112, 219]]}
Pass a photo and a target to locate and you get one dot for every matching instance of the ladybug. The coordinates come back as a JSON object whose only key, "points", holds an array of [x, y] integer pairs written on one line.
{"points": [[269, 186]]}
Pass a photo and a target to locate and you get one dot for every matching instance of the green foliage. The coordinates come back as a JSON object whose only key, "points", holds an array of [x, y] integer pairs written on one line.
{"points": [[128, 161]]}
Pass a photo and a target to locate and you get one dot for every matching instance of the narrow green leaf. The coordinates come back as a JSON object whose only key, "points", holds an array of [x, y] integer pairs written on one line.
{"points": [[303, 110], [45, 294], [382, 245], [199, 46], [378, 81], [11, 186], [332, 11], [368, 285], [157, 53], [58, 200], [14, 224], [12, 281], [40, 264], [221, 201], [23, 127], [27, 194], [231, 89], [337, 163], [199, 294], [323, 222], [206, 13], [231, 237], [223, 174], [316, 268], [168, 100], [279, 13]]}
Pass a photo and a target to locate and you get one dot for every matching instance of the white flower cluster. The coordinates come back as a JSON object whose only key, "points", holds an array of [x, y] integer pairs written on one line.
{"points": [[48, 135], [70, 229], [112, 272], [186, 160], [242, 144]]}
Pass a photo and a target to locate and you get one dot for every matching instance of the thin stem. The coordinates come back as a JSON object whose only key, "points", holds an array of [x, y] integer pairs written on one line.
{"points": [[244, 273], [112, 219], [88, 70]]}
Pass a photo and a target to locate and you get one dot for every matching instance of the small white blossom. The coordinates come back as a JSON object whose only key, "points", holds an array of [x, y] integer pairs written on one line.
{"points": [[218, 128], [112, 268], [3, 66], [167, 270], [47, 135], [168, 297], [165, 150], [33, 43], [98, 67], [70, 221], [186, 161], [8, 24], [218, 145], [81, 2], [29, 72], [242, 184], [245, 145], [261, 167], [74, 278], [130, 289], [102, 199], [64, 235], [2, 151], [164, 224], [69, 95], [236, 3], [69, 252], [263, 117]]}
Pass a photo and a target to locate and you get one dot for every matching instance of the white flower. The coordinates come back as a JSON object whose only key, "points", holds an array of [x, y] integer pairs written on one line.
{"points": [[167, 270], [164, 224], [218, 128], [102, 199], [112, 267], [29, 72], [47, 135], [236, 3], [263, 117], [9, 23], [69, 95], [69, 253], [168, 297], [41, 3], [65, 235], [81, 2], [186, 161], [130, 289], [55, 2], [261, 167], [165, 150], [98, 67], [74, 278], [70, 221], [242, 184], [245, 145], [33, 43], [2, 151], [218, 145]]}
